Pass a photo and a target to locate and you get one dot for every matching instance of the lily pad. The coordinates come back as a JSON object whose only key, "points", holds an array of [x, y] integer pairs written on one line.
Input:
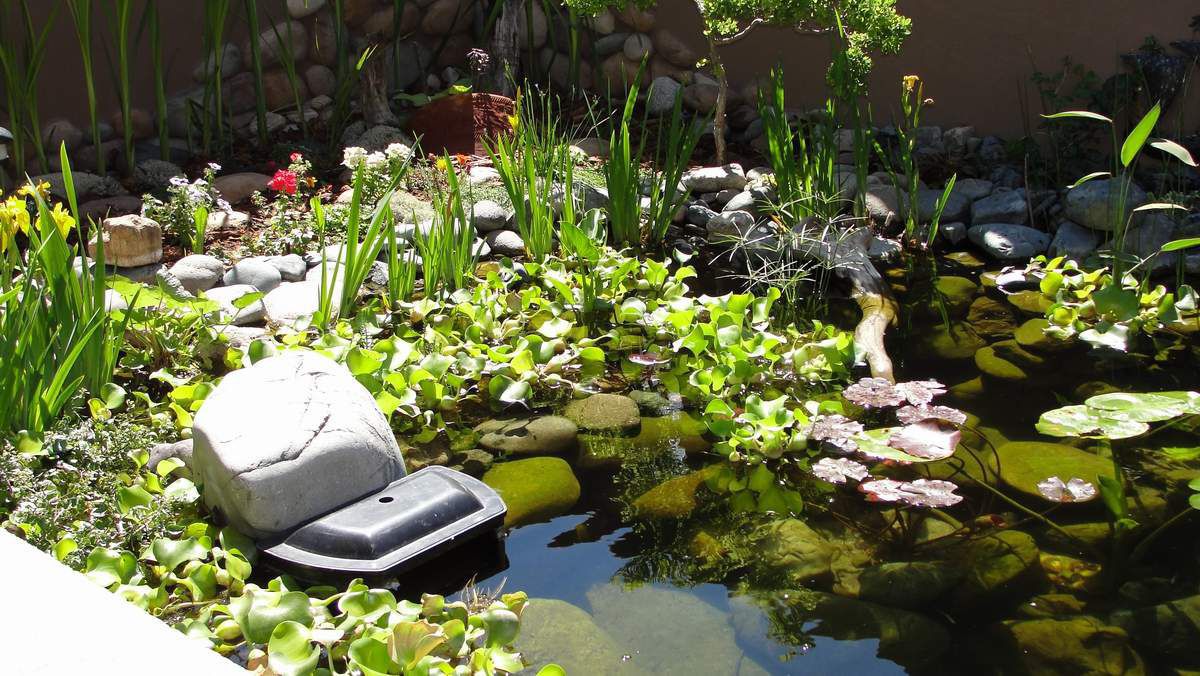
{"points": [[1026, 464], [1142, 406], [1085, 421], [874, 444]]}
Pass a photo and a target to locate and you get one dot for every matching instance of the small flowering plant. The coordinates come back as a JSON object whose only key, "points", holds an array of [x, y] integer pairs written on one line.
{"points": [[285, 208], [378, 167], [186, 202]]}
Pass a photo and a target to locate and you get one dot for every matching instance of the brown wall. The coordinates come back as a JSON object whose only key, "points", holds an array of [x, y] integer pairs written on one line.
{"points": [[974, 55]]}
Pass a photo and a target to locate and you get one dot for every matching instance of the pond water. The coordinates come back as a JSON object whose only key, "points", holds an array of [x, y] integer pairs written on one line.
{"points": [[857, 588]]}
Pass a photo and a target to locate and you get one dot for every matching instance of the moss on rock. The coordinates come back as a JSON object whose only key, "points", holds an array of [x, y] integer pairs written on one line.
{"points": [[1025, 463], [534, 489]]}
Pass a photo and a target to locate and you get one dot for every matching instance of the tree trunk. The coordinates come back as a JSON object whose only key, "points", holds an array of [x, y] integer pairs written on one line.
{"points": [[506, 54], [722, 98]]}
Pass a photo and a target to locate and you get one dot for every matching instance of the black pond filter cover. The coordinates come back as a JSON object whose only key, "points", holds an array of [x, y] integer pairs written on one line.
{"points": [[413, 520]]}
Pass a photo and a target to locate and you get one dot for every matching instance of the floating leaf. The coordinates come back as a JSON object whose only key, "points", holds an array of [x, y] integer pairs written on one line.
{"points": [[874, 444], [915, 414], [836, 430], [170, 553], [1140, 406], [290, 651], [258, 612], [648, 359], [1084, 421], [838, 470], [920, 392], [928, 439], [107, 567], [1074, 490], [874, 393], [919, 493]]}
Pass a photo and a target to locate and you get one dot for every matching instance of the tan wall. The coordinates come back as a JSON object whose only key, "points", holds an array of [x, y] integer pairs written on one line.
{"points": [[975, 55]]}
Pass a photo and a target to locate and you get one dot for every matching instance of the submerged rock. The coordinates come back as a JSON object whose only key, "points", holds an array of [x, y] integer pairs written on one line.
{"points": [[957, 294], [1030, 302], [550, 435], [1008, 362], [907, 584], [1077, 645], [993, 562], [991, 319], [534, 489], [612, 413], [668, 631], [794, 547], [672, 499], [1032, 335], [557, 632], [1023, 464], [677, 434], [957, 342]]}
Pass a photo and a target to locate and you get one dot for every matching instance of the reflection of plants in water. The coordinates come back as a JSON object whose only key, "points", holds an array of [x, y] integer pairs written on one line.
{"points": [[1116, 416]]}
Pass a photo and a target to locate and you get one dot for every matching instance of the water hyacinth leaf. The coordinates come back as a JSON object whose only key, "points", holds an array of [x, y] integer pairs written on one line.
{"points": [[30, 444], [874, 444], [107, 567], [113, 396], [1116, 303], [1084, 421], [370, 656], [290, 651], [838, 470], [202, 582], [258, 612], [508, 391], [181, 491], [130, 497], [929, 439], [1141, 407], [412, 641], [761, 478], [366, 604], [1104, 335], [247, 299], [555, 327], [1055, 489], [170, 553], [552, 670], [362, 361], [63, 548], [502, 626]]}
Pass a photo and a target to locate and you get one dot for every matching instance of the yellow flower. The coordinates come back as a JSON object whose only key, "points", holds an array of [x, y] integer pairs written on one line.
{"points": [[63, 220], [910, 82], [29, 190], [16, 215], [514, 121], [441, 164]]}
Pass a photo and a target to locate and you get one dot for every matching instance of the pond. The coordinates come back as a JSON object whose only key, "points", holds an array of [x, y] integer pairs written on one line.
{"points": [[650, 573]]}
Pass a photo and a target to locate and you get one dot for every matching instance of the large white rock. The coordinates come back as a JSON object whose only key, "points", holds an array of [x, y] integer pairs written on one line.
{"points": [[289, 439], [713, 179]]}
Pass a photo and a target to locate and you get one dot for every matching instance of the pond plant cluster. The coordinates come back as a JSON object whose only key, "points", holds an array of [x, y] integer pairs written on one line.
{"points": [[959, 421]]}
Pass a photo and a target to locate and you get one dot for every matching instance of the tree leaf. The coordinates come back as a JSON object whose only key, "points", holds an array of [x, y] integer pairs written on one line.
{"points": [[1137, 138]]}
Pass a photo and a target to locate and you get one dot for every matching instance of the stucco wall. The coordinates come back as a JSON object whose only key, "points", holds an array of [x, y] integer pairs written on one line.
{"points": [[975, 56]]}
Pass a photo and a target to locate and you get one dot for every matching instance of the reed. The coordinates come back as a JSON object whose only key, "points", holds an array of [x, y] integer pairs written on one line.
{"points": [[120, 13], [81, 17], [256, 67]]}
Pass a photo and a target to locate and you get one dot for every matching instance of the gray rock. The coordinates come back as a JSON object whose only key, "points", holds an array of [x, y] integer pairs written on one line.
{"points": [[142, 274], [713, 179], [545, 435], [240, 337], [638, 46], [155, 174], [288, 439], [729, 226], [1073, 241], [1008, 241], [182, 450], [612, 413], [697, 213], [882, 250], [292, 305], [505, 243], [298, 9], [219, 221], [256, 272], [171, 285], [291, 267], [954, 233], [87, 186], [114, 301], [973, 188], [660, 98], [224, 296], [488, 215], [380, 137], [198, 272], [1094, 204], [1146, 238], [609, 44], [1002, 206]]}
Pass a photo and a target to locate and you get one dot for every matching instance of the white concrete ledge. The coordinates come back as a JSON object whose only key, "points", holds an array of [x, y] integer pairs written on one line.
{"points": [[56, 621]]}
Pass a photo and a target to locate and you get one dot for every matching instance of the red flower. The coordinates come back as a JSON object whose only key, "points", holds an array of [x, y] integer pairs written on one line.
{"points": [[284, 181], [296, 157]]}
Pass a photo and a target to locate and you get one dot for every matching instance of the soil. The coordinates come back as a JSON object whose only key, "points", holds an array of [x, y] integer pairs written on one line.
{"points": [[459, 124]]}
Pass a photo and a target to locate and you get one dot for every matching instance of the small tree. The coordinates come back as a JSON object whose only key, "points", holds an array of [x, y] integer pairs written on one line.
{"points": [[856, 27]]}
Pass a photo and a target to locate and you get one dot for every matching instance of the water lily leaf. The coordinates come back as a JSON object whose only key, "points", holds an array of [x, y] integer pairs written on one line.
{"points": [[1074, 490], [290, 651], [1190, 400], [370, 656], [874, 444], [919, 493], [1140, 406], [107, 567], [258, 612], [838, 470], [929, 439], [170, 553], [1084, 421], [874, 393]]}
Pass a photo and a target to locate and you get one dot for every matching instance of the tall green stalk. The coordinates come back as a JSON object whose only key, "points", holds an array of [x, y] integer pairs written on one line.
{"points": [[256, 67], [215, 14], [160, 82], [81, 16], [622, 175], [447, 250], [120, 12], [21, 63]]}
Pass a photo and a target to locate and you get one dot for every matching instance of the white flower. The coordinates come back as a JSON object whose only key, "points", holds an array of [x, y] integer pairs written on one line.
{"points": [[397, 152], [376, 160], [179, 181], [353, 157], [1075, 490], [214, 166]]}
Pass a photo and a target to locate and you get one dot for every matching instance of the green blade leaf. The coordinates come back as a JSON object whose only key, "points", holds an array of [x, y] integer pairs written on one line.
{"points": [[1078, 114], [1180, 244], [1137, 138], [1174, 149], [1093, 175]]}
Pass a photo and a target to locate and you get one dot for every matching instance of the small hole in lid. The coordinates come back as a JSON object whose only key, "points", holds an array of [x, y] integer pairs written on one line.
{"points": [[386, 499]]}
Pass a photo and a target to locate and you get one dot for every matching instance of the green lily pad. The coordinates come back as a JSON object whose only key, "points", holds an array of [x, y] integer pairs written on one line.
{"points": [[874, 443], [1141, 406], [1084, 421]]}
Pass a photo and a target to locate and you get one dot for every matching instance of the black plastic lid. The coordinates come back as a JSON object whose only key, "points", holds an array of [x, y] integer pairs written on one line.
{"points": [[412, 520]]}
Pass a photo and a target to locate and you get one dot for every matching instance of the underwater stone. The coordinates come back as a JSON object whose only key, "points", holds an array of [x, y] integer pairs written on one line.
{"points": [[672, 499], [676, 434], [1076, 645], [993, 365], [907, 584], [534, 489], [1025, 463], [1032, 334], [957, 342], [613, 413], [1030, 302], [990, 318], [791, 545], [1170, 630], [550, 434], [654, 403], [957, 293], [994, 561], [557, 632]]}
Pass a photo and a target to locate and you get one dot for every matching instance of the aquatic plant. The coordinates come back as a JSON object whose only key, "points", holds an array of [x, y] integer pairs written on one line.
{"points": [[81, 17], [448, 250], [803, 157], [120, 15], [20, 65]]}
